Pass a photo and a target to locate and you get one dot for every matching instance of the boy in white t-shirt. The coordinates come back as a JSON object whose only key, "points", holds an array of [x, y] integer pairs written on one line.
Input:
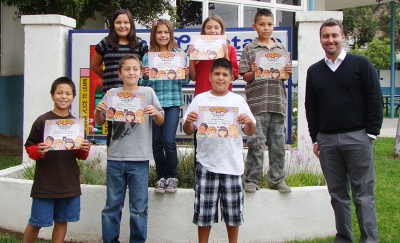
{"points": [[220, 160]]}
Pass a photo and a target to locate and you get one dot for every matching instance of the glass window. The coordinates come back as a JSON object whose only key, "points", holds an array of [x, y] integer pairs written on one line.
{"points": [[284, 18], [290, 2], [190, 13], [264, 1], [228, 13], [248, 15]]}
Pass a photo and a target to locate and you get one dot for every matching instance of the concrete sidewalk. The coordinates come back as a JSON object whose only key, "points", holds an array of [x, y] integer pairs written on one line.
{"points": [[389, 128]]}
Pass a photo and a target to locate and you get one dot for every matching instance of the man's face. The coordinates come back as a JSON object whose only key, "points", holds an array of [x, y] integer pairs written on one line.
{"points": [[110, 113], [202, 130], [331, 40], [153, 73], [48, 142]]}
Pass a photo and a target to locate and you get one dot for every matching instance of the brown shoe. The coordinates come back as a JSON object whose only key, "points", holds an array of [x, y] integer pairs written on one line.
{"points": [[250, 188], [282, 187]]}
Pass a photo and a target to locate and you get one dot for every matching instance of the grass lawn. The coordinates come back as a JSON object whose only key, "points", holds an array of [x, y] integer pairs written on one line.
{"points": [[6, 162], [387, 190], [387, 172]]}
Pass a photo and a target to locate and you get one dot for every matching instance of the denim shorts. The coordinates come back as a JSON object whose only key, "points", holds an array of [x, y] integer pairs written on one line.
{"points": [[213, 187], [46, 210]]}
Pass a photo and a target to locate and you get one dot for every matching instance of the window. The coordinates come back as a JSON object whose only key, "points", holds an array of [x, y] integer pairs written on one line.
{"points": [[290, 2], [228, 13]]}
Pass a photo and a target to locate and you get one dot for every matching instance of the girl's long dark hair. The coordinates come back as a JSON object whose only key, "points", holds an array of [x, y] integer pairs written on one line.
{"points": [[112, 38]]}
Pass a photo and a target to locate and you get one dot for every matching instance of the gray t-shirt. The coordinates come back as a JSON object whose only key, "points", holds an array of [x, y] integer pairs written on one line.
{"points": [[131, 141]]}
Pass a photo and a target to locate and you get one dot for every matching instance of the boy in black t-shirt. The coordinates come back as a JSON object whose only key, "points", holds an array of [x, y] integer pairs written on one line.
{"points": [[56, 186]]}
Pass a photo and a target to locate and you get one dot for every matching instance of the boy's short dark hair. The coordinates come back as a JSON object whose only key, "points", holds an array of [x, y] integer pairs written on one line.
{"points": [[63, 80], [222, 62], [331, 22], [263, 12]]}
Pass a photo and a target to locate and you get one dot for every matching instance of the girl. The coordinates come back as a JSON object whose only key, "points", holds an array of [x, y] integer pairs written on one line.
{"points": [[213, 25], [169, 92], [121, 41]]}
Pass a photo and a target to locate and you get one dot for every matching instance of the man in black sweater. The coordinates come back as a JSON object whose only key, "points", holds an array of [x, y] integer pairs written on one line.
{"points": [[344, 112]]}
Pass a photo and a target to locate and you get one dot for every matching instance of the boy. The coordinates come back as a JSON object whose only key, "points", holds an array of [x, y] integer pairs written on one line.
{"points": [[56, 186], [220, 161], [267, 101], [128, 158]]}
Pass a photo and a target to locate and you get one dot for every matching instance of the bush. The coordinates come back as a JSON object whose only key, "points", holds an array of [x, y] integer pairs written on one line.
{"points": [[91, 172], [185, 171]]}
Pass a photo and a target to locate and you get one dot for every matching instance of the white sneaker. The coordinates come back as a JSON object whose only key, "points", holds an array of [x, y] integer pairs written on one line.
{"points": [[160, 185], [172, 185]]}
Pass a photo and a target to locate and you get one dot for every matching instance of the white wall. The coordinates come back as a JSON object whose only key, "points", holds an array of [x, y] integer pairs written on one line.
{"points": [[12, 43], [269, 216], [385, 78]]}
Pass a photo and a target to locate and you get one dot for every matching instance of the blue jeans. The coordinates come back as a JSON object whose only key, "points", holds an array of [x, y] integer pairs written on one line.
{"points": [[164, 145], [120, 175], [46, 210]]}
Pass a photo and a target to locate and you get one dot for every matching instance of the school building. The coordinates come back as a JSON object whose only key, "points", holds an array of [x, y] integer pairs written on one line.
{"points": [[236, 14]]}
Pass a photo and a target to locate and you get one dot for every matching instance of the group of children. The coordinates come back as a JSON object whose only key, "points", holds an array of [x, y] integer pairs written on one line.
{"points": [[219, 162]]}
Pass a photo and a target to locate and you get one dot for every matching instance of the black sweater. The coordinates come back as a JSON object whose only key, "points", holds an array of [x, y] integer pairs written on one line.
{"points": [[346, 100]]}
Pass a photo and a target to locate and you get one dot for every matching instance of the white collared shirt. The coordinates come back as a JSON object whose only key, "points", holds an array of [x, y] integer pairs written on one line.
{"points": [[334, 65]]}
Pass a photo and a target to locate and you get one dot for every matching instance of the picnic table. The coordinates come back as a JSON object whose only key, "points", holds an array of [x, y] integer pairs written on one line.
{"points": [[386, 103]]}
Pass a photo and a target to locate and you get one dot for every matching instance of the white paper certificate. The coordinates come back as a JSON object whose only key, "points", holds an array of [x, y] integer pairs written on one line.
{"points": [[218, 122], [207, 47], [125, 106], [166, 65], [64, 134]]}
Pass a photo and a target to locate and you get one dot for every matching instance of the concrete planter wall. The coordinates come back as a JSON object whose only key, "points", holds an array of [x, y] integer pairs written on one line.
{"points": [[269, 216]]}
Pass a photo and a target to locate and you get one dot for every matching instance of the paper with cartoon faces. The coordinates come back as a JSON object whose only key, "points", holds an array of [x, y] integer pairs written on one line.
{"points": [[207, 47], [218, 122], [165, 65], [272, 65], [64, 134], [124, 105]]}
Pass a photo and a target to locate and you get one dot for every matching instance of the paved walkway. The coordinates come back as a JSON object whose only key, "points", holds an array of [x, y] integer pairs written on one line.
{"points": [[389, 128]]}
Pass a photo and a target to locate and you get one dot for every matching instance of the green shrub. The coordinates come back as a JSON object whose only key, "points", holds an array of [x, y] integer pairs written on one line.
{"points": [[91, 171], [29, 171], [185, 171]]}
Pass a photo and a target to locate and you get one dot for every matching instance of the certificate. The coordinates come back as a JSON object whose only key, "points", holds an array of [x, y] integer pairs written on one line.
{"points": [[64, 134], [125, 106], [218, 122], [271, 65], [166, 65], [207, 47]]}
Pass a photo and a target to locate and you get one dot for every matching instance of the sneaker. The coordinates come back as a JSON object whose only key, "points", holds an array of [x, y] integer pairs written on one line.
{"points": [[251, 188], [282, 187], [172, 185], [160, 185]]}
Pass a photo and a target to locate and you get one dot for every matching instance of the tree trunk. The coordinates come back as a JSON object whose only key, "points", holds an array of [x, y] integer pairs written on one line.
{"points": [[397, 141]]}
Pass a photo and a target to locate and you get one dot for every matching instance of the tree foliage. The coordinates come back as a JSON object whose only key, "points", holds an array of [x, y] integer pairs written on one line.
{"points": [[189, 12], [363, 24], [144, 11], [359, 24], [377, 52]]}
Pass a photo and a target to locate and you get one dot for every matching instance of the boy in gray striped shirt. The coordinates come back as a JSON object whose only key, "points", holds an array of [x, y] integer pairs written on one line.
{"points": [[267, 101]]}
